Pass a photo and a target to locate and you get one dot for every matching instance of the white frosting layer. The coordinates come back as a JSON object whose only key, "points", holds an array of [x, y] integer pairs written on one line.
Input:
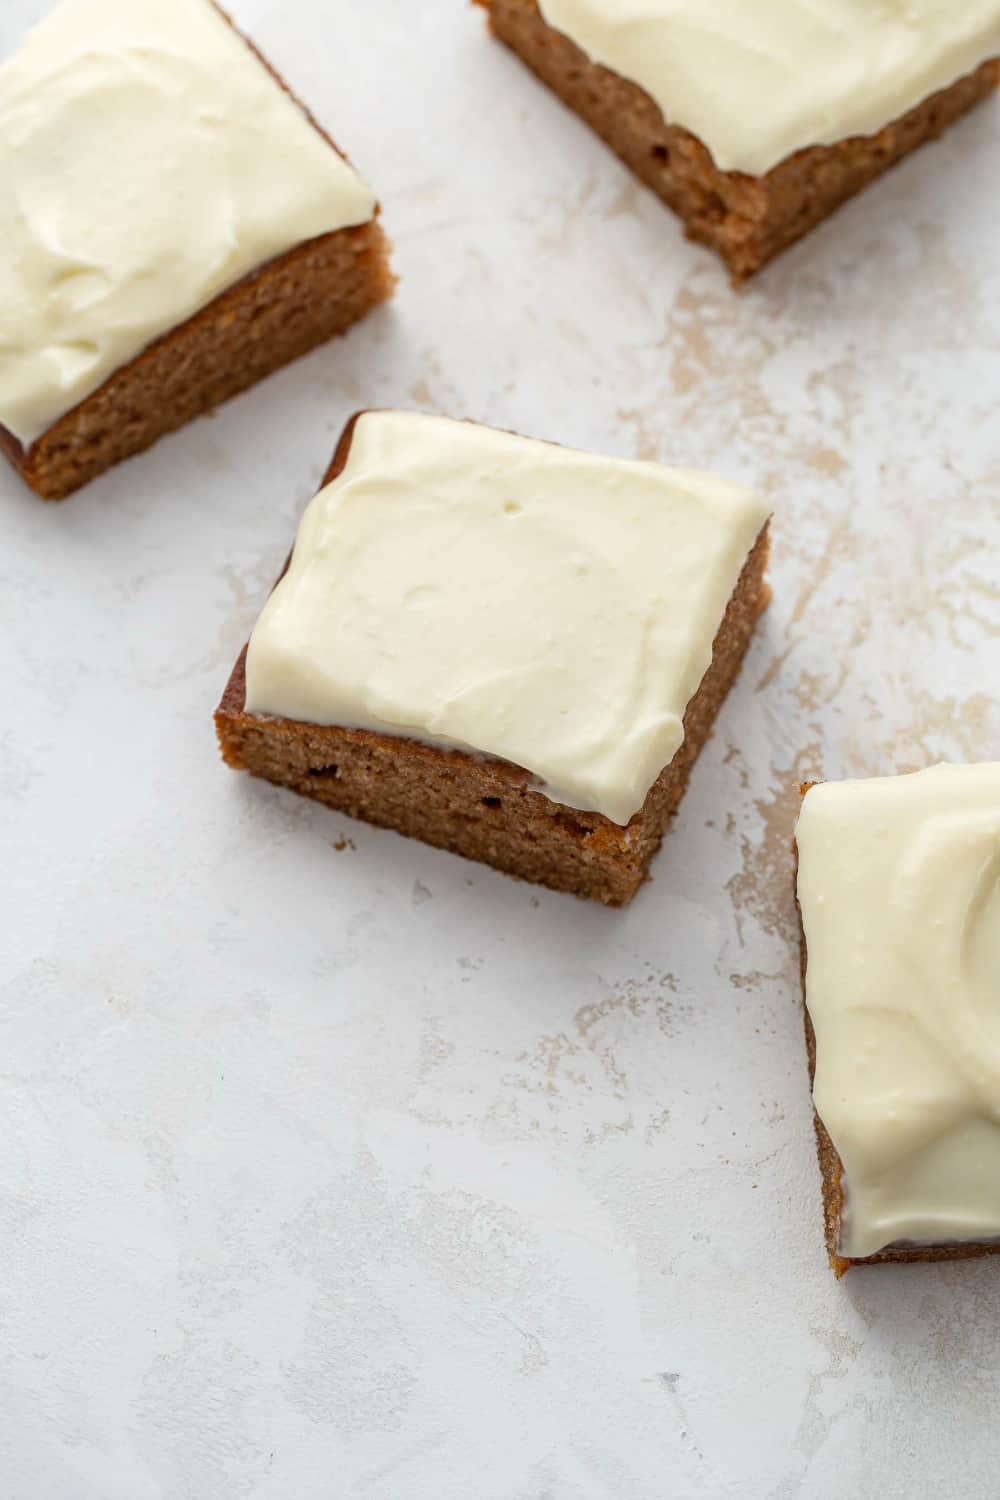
{"points": [[471, 588], [148, 161], [756, 82], [899, 884]]}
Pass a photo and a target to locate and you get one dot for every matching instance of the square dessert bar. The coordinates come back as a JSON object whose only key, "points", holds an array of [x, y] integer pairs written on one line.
{"points": [[503, 647], [174, 226], [754, 122], [899, 895]]}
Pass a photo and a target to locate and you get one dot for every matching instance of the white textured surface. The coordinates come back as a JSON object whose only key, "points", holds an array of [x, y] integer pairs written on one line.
{"points": [[373, 1175]]}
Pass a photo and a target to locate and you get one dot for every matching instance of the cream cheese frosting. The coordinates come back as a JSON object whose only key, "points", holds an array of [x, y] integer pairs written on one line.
{"points": [[148, 161], [479, 590], [756, 82], [899, 886]]}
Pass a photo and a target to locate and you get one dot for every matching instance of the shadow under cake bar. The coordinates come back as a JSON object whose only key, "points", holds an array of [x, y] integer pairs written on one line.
{"points": [[173, 227], [506, 648], [753, 122], [899, 895]]}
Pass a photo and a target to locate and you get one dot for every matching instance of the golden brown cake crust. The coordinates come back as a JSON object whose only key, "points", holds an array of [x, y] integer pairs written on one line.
{"points": [[285, 308], [482, 808], [832, 1170], [747, 220]]}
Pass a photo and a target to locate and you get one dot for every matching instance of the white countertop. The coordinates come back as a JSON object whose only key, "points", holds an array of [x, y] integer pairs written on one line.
{"points": [[364, 1173]]}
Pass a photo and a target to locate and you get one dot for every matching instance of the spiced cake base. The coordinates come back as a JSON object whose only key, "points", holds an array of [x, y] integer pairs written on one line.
{"points": [[488, 809], [831, 1170], [747, 220]]}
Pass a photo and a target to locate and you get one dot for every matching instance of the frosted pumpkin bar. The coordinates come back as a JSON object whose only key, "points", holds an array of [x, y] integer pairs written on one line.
{"points": [[503, 647], [173, 227], [754, 121], [899, 893]]}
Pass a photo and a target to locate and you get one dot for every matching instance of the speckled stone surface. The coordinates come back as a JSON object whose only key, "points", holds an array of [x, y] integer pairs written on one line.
{"points": [[335, 1168]]}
